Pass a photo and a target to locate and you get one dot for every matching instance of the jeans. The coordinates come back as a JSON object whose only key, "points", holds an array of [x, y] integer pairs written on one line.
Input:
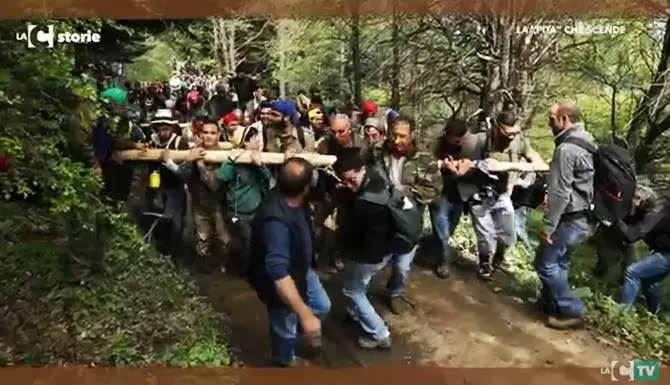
{"points": [[648, 275], [284, 323], [551, 264], [444, 217], [494, 225], [521, 224], [357, 280]]}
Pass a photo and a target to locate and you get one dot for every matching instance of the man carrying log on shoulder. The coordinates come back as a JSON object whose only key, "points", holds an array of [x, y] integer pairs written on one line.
{"points": [[169, 194], [417, 176], [246, 187], [108, 136], [282, 134], [213, 238], [489, 193]]}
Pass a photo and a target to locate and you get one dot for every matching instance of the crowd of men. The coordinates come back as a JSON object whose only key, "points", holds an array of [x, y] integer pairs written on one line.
{"points": [[271, 222]]}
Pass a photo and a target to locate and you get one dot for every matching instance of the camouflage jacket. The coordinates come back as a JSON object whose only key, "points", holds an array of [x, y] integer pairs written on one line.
{"points": [[372, 152], [420, 176]]}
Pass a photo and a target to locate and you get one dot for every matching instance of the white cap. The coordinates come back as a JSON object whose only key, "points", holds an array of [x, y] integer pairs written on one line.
{"points": [[164, 116]]}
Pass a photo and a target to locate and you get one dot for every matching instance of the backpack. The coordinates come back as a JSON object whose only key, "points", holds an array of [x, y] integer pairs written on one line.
{"points": [[531, 196], [407, 222], [614, 180]]}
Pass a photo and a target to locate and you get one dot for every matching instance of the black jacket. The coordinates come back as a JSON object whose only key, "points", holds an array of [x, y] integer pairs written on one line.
{"points": [[274, 208], [366, 228], [653, 226]]}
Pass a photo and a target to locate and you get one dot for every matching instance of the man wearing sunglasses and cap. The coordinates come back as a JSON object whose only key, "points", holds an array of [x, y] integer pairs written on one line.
{"points": [[490, 201]]}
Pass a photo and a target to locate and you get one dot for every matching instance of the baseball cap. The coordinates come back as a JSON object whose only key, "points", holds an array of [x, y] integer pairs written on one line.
{"points": [[284, 107]]}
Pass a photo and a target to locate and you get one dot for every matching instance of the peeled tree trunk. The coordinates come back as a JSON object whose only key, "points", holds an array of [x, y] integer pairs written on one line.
{"points": [[238, 156]]}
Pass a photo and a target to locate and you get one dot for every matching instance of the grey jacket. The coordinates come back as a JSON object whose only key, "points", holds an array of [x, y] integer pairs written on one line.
{"points": [[570, 182]]}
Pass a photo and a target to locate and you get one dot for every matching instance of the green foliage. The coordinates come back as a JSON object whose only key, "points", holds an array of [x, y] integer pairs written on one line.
{"points": [[154, 64], [308, 53], [378, 95], [140, 311], [139, 308]]}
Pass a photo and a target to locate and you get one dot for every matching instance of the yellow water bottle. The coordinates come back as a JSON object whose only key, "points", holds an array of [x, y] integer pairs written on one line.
{"points": [[155, 180]]}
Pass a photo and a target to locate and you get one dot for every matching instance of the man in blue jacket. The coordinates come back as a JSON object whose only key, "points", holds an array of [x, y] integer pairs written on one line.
{"points": [[282, 263]]}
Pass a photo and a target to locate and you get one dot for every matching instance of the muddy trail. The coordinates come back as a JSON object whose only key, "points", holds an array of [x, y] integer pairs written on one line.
{"points": [[458, 322], [455, 322]]}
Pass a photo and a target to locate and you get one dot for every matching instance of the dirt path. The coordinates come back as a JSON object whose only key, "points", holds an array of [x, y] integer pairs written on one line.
{"points": [[456, 322]]}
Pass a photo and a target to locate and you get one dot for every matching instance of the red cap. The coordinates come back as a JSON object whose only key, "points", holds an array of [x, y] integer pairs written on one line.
{"points": [[369, 108], [230, 118]]}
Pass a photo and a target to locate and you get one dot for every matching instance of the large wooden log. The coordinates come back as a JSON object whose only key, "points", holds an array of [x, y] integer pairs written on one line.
{"points": [[239, 156], [498, 166], [493, 165]]}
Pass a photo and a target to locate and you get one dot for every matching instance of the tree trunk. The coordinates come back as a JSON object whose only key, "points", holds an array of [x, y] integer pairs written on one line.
{"points": [[395, 69], [343, 67], [643, 111], [613, 112], [232, 49], [216, 33], [281, 37], [355, 46]]}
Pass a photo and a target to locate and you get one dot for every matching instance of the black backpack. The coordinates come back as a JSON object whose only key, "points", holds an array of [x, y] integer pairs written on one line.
{"points": [[614, 181], [531, 196], [407, 222]]}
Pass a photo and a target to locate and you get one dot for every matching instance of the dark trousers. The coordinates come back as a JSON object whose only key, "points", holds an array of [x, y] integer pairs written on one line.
{"points": [[611, 251]]}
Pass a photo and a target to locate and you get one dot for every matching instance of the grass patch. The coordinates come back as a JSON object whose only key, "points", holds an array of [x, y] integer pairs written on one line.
{"points": [[141, 310]]}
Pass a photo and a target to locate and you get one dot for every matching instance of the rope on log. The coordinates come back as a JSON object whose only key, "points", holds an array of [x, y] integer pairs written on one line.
{"points": [[239, 156]]}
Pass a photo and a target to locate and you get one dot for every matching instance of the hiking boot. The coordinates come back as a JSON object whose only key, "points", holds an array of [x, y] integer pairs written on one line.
{"points": [[297, 363], [484, 272], [442, 270], [371, 343], [499, 262], [394, 305], [564, 323]]}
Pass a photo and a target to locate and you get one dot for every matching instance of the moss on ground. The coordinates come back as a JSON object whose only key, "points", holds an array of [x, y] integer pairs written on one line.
{"points": [[141, 310]]}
